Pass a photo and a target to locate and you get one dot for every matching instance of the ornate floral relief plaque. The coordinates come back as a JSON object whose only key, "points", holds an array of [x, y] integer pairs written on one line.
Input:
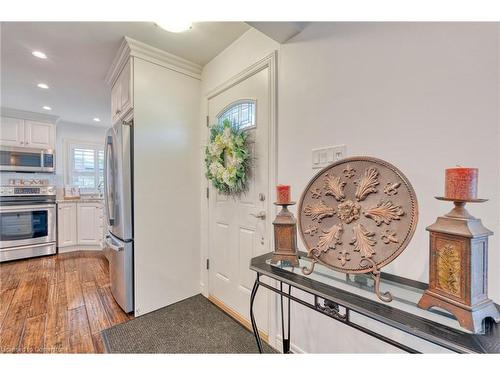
{"points": [[357, 215]]}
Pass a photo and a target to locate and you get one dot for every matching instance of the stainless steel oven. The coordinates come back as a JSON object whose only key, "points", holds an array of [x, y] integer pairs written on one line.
{"points": [[20, 159], [27, 222]]}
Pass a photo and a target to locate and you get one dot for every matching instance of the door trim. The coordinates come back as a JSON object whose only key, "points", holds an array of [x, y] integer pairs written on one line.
{"points": [[270, 61]]}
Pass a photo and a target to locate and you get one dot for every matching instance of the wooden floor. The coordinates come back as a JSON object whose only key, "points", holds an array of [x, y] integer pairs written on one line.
{"points": [[56, 304]]}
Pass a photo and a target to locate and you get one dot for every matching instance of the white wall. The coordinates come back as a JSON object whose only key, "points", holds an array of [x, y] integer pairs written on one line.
{"points": [[423, 96], [167, 177]]}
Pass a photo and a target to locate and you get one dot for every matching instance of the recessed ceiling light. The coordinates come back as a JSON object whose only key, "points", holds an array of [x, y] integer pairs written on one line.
{"points": [[47, 108], [175, 26], [97, 119], [43, 85], [39, 54]]}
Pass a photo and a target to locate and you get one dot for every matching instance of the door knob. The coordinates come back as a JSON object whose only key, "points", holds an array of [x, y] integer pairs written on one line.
{"points": [[260, 215]]}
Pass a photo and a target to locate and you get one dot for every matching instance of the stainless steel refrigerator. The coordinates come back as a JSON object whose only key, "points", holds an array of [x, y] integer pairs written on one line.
{"points": [[118, 171]]}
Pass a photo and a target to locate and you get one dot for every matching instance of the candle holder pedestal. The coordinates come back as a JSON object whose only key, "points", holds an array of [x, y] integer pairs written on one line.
{"points": [[458, 268], [285, 236]]}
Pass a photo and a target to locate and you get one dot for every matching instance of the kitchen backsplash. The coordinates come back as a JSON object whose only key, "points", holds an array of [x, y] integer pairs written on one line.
{"points": [[54, 179]]}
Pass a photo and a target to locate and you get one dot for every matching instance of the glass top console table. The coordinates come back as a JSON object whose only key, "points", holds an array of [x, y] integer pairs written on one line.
{"points": [[337, 295]]}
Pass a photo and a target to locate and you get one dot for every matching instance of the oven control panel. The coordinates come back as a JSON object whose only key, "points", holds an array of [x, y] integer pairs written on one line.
{"points": [[9, 191]]}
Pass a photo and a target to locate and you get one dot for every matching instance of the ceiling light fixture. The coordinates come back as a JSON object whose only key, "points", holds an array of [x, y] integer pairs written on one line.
{"points": [[97, 119], [43, 85], [175, 26], [39, 54], [47, 108]]}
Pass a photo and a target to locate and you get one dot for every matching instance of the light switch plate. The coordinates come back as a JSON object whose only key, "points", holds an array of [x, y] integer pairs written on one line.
{"points": [[322, 157]]}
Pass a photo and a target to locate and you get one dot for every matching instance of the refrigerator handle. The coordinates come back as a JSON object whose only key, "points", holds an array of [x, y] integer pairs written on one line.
{"points": [[108, 166], [112, 245]]}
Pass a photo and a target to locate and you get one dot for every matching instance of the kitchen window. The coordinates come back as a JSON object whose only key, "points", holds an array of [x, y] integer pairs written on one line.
{"points": [[86, 167]]}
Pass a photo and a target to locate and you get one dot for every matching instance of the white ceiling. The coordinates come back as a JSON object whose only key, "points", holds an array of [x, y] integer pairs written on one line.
{"points": [[79, 55]]}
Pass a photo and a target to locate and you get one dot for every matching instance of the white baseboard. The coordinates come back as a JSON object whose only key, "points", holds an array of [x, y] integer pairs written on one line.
{"points": [[203, 289], [69, 249], [293, 348]]}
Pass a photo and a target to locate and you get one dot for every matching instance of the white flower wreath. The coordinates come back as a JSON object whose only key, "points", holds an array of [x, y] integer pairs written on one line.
{"points": [[227, 158]]}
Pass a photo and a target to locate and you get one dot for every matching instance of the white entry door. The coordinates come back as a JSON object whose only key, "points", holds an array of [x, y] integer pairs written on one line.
{"points": [[237, 225]]}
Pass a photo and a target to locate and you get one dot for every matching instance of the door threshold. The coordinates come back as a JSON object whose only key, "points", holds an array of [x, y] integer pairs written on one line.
{"points": [[237, 316]]}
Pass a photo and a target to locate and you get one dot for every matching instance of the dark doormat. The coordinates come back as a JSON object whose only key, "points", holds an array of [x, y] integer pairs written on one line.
{"points": [[193, 325]]}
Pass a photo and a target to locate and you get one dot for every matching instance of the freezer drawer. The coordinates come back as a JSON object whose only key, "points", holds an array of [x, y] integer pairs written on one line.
{"points": [[121, 271]]}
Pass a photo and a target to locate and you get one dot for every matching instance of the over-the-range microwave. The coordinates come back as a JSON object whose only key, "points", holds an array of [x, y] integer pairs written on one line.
{"points": [[21, 159]]}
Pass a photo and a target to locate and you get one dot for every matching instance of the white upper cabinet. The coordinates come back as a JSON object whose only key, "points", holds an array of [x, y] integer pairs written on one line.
{"points": [[121, 93], [26, 133], [38, 134], [12, 132]]}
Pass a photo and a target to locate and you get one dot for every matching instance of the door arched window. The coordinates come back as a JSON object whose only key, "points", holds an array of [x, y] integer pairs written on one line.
{"points": [[240, 113]]}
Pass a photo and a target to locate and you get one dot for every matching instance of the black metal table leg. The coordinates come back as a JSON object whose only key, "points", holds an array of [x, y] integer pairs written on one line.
{"points": [[286, 341], [252, 317]]}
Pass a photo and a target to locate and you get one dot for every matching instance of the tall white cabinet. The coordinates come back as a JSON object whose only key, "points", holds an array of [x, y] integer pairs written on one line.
{"points": [[79, 226], [122, 93], [160, 92]]}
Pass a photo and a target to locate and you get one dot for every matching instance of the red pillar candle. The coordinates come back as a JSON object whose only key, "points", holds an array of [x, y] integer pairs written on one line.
{"points": [[283, 194], [461, 183]]}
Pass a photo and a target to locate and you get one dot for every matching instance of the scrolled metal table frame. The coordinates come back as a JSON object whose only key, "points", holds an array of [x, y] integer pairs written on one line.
{"points": [[334, 298]]}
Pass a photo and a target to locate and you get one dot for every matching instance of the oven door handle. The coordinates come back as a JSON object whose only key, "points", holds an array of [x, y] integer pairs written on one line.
{"points": [[26, 208]]}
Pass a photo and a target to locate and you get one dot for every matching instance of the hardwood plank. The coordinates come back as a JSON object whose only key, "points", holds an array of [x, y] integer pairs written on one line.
{"points": [[5, 299], [12, 327], [59, 273], [9, 278], [24, 291], [39, 300], [101, 274], [56, 342], [85, 270], [49, 268], [56, 330], [114, 312], [57, 313], [73, 290], [69, 263], [98, 343], [33, 337], [44, 308], [96, 313], [80, 338]]}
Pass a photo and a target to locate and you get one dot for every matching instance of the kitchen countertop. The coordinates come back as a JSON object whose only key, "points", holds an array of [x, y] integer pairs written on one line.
{"points": [[82, 199]]}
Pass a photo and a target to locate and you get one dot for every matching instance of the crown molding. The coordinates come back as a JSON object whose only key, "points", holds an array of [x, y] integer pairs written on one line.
{"points": [[28, 115], [131, 47]]}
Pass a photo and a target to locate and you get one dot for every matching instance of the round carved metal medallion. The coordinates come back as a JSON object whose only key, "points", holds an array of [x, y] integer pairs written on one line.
{"points": [[357, 215]]}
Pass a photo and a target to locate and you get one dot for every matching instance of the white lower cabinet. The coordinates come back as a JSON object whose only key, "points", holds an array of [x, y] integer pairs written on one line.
{"points": [[66, 224], [79, 226]]}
